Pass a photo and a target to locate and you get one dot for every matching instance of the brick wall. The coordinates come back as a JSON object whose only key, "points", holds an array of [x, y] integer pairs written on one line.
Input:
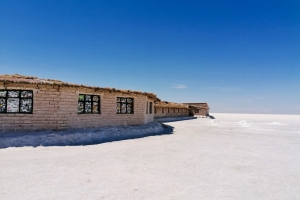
{"points": [[171, 113], [201, 112], [56, 107]]}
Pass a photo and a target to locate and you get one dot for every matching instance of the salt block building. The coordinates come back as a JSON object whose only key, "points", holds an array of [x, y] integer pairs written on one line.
{"points": [[169, 109], [31, 103], [201, 109]]}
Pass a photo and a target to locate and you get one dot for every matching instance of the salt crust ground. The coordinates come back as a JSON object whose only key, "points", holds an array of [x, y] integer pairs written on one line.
{"points": [[235, 156]]}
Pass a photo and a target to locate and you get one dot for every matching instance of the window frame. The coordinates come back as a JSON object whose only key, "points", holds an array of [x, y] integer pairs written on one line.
{"points": [[126, 103], [92, 101], [19, 98]]}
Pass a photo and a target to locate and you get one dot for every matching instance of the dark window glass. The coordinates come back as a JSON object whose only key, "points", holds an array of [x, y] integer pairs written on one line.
{"points": [[16, 101], [150, 108], [2, 105], [25, 105], [88, 104], [124, 105], [3, 93]]}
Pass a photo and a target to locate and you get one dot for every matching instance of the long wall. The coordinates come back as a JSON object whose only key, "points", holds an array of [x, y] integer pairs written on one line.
{"points": [[170, 112], [56, 107]]}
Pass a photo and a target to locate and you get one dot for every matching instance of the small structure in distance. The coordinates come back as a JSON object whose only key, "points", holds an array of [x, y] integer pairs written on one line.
{"points": [[200, 109]]}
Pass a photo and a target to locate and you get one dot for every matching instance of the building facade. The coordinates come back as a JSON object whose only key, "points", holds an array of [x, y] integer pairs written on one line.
{"points": [[30, 103], [169, 109]]}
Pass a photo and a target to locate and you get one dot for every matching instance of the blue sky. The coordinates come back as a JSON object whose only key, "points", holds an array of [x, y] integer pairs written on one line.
{"points": [[239, 56]]}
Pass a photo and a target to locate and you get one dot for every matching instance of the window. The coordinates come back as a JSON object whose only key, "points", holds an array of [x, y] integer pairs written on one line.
{"points": [[168, 110], [16, 101], [196, 110], [150, 108], [88, 104], [147, 107], [174, 110], [162, 110], [124, 105]]}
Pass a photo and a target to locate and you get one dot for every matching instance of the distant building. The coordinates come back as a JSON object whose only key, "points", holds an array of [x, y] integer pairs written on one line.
{"points": [[170, 109], [198, 108]]}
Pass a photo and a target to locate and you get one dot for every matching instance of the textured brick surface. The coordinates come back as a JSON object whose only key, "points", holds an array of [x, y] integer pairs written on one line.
{"points": [[56, 108]]}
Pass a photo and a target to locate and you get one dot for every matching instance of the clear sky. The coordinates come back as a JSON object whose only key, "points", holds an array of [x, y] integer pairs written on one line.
{"points": [[239, 56]]}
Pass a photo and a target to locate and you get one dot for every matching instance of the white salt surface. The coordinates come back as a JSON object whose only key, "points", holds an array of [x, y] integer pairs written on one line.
{"points": [[201, 160]]}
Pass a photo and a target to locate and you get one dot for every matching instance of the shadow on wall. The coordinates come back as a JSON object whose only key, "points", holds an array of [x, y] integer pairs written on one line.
{"points": [[79, 137]]}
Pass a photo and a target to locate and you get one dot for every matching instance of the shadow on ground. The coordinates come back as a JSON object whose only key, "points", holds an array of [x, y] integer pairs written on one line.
{"points": [[79, 137], [174, 119], [211, 117]]}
